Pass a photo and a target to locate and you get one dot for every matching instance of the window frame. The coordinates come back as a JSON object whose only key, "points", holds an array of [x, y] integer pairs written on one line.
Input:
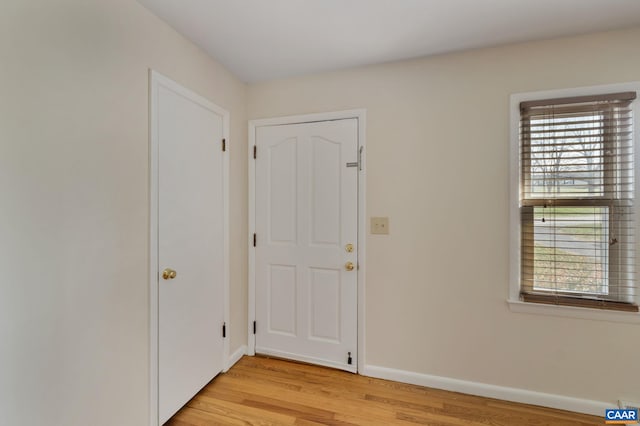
{"points": [[514, 297]]}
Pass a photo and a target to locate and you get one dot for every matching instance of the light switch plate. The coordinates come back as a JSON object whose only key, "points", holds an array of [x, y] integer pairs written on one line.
{"points": [[380, 225]]}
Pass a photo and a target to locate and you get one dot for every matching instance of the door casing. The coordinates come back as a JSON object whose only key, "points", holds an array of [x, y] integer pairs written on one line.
{"points": [[157, 80], [360, 115]]}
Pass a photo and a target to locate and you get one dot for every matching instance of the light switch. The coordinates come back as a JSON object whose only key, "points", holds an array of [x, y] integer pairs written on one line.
{"points": [[379, 225]]}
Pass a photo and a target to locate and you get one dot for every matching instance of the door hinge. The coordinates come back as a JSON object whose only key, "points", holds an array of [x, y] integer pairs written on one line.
{"points": [[349, 360], [255, 152], [254, 327], [224, 145], [254, 239], [224, 330]]}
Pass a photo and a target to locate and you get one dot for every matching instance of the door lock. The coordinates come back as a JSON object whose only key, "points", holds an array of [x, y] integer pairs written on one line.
{"points": [[169, 274]]}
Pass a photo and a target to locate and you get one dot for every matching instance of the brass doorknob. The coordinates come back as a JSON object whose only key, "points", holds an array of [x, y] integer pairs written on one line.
{"points": [[169, 274], [349, 266]]}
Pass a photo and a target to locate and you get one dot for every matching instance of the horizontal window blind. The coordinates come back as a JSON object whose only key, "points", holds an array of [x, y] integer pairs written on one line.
{"points": [[577, 201]]}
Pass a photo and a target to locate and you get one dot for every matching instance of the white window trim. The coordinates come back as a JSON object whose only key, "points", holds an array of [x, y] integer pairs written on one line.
{"points": [[514, 302]]}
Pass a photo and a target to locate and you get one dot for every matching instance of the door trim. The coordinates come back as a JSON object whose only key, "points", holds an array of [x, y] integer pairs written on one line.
{"points": [[360, 115], [157, 80]]}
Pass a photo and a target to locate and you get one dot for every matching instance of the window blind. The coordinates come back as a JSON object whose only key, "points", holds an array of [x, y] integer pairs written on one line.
{"points": [[577, 201]]}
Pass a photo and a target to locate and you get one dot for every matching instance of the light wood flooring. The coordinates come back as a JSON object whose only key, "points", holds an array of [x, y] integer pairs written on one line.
{"points": [[265, 391]]}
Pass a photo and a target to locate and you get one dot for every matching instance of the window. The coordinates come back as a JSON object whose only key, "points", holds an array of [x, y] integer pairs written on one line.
{"points": [[576, 201]]}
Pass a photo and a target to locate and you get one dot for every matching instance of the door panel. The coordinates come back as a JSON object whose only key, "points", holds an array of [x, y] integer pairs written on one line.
{"points": [[282, 195], [324, 305], [324, 164], [306, 213], [282, 300], [191, 242]]}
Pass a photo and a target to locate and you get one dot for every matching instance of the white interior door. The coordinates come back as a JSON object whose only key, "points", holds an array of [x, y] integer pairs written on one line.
{"points": [[306, 235], [191, 243]]}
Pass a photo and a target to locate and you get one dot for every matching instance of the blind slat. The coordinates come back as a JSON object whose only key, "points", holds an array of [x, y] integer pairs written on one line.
{"points": [[609, 97], [580, 302]]}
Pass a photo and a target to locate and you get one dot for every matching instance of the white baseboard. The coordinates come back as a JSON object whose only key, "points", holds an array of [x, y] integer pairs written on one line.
{"points": [[585, 406], [235, 357]]}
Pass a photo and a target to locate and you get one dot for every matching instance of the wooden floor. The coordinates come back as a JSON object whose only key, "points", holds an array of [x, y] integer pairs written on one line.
{"points": [[264, 391]]}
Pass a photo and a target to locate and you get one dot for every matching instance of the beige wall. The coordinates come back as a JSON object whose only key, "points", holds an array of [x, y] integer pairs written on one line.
{"points": [[74, 204], [438, 145], [74, 209]]}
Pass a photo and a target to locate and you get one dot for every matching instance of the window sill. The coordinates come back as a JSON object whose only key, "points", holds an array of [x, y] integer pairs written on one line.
{"points": [[573, 312]]}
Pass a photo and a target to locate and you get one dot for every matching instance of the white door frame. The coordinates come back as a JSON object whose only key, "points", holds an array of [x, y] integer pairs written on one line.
{"points": [[360, 115], [157, 80]]}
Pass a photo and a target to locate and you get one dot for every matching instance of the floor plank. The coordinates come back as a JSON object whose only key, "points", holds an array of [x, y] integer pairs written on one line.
{"points": [[261, 391]]}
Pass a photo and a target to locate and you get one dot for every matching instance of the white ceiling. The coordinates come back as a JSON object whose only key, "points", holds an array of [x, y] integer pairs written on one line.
{"points": [[268, 39]]}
